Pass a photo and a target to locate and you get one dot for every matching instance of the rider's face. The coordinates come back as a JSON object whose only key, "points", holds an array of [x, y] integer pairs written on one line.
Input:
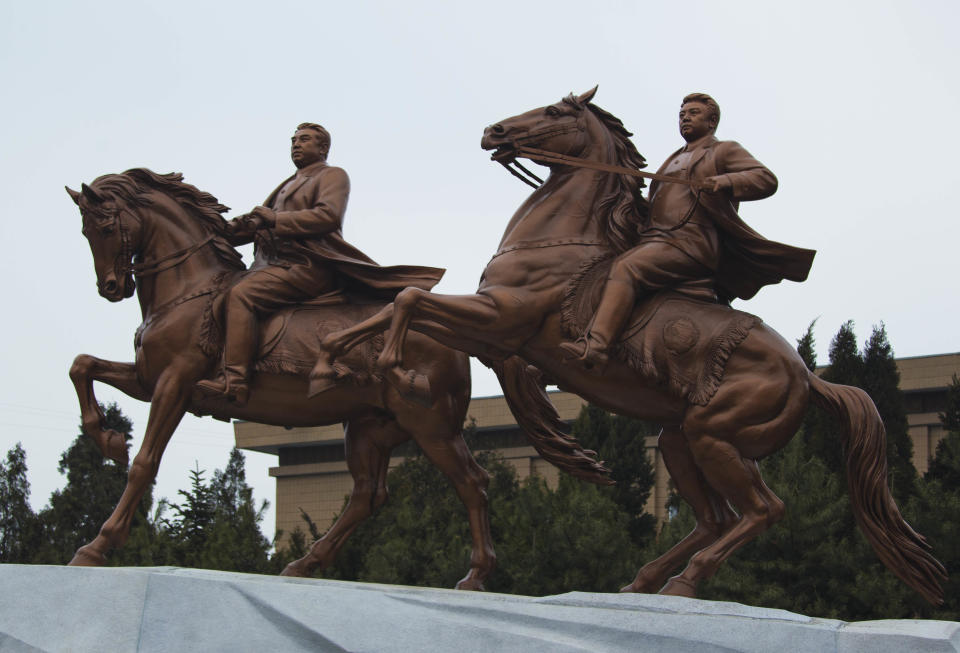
{"points": [[307, 148], [694, 121]]}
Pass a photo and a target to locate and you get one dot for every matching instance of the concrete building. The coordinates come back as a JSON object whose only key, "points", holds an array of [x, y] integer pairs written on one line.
{"points": [[312, 475]]}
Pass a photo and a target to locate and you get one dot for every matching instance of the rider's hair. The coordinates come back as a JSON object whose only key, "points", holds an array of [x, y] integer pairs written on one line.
{"points": [[703, 98], [324, 134]]}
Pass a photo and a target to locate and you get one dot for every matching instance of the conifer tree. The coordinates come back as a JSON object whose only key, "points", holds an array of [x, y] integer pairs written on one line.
{"points": [[75, 513], [621, 443], [881, 380], [18, 523]]}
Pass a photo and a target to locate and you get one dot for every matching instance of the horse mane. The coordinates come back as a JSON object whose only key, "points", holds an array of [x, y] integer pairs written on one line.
{"points": [[623, 208], [134, 184]]}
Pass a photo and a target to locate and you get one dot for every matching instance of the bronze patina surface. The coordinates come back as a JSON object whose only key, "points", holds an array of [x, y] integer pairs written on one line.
{"points": [[166, 241], [520, 323]]}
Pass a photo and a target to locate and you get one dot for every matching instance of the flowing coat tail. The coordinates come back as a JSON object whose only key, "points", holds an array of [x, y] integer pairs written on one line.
{"points": [[904, 551]]}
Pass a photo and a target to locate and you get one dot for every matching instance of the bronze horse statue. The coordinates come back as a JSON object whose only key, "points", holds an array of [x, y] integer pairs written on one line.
{"points": [[167, 241], [710, 441]]}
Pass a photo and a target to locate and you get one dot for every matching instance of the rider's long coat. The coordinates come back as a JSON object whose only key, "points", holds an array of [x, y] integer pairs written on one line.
{"points": [[748, 261], [307, 238]]}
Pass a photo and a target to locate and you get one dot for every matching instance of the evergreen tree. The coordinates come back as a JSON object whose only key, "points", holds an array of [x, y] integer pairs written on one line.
{"points": [[881, 380], [621, 443], [547, 541], [18, 523], [217, 525], [75, 513], [821, 431], [807, 348]]}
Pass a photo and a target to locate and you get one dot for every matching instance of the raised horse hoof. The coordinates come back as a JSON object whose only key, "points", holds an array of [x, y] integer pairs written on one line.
{"points": [[87, 556], [116, 448], [678, 586], [638, 586]]}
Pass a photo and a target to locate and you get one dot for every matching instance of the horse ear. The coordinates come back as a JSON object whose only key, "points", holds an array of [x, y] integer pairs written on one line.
{"points": [[90, 194], [586, 97], [74, 195]]}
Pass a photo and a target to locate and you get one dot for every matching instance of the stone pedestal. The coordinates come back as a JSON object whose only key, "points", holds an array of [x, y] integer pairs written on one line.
{"points": [[167, 610]]}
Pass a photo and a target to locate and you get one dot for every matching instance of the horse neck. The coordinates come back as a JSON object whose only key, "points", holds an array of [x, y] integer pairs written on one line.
{"points": [[167, 229], [565, 206]]}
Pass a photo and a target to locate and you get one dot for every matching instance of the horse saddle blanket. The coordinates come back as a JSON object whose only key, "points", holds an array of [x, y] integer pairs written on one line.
{"points": [[289, 340], [676, 340]]}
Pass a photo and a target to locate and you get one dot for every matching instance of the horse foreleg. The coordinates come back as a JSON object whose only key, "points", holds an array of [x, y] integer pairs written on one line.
{"points": [[170, 399], [368, 467], [123, 376], [713, 515]]}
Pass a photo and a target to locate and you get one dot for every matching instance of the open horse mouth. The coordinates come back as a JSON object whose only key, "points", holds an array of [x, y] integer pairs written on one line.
{"points": [[505, 153]]}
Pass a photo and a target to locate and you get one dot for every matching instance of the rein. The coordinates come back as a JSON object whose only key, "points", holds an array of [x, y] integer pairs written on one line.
{"points": [[149, 268], [543, 156], [123, 265]]}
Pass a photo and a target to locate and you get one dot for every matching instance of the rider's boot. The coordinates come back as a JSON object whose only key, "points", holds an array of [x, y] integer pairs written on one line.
{"points": [[593, 349], [238, 352]]}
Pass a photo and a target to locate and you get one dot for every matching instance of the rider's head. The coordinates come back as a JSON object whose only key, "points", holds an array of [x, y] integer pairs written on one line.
{"points": [[309, 144], [699, 116]]}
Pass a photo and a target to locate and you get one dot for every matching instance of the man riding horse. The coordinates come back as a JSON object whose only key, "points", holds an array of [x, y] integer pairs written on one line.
{"points": [[299, 254], [694, 238]]}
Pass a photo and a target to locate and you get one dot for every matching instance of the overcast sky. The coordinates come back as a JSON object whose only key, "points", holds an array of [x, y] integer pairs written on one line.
{"points": [[849, 103]]}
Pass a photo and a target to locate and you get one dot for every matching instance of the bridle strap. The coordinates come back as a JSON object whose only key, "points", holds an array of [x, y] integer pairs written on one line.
{"points": [[149, 268]]}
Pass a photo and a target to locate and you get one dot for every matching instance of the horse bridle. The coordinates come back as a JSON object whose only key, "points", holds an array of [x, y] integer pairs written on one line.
{"points": [[124, 264]]}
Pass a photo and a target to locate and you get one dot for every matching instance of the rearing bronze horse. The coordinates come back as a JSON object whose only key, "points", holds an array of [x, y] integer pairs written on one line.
{"points": [[165, 240], [710, 447]]}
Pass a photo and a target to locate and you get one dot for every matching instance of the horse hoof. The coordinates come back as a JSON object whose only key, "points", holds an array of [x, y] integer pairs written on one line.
{"points": [[295, 570], [678, 586], [116, 449], [86, 556], [470, 584]]}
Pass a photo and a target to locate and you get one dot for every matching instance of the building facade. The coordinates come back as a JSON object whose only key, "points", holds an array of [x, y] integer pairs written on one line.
{"points": [[311, 472]]}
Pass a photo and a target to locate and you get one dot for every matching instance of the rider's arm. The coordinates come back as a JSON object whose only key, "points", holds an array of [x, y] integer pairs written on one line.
{"points": [[331, 190], [749, 179]]}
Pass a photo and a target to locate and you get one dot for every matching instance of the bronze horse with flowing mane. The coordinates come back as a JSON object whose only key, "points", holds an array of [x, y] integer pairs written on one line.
{"points": [[710, 445], [165, 240]]}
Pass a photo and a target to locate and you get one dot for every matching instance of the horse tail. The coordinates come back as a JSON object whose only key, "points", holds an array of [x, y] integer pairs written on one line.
{"points": [[540, 422], [904, 551]]}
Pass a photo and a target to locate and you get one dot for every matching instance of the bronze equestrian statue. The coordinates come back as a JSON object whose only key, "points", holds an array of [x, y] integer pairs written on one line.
{"points": [[299, 254], [166, 241], [727, 389]]}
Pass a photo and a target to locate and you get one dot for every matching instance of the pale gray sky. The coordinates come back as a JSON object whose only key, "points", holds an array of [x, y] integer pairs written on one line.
{"points": [[849, 103]]}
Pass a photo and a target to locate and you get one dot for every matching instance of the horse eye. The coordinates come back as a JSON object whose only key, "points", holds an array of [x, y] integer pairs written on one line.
{"points": [[552, 112]]}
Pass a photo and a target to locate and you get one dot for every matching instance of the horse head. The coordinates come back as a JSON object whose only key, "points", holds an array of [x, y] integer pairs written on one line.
{"points": [[113, 234], [143, 223], [559, 127], [574, 127]]}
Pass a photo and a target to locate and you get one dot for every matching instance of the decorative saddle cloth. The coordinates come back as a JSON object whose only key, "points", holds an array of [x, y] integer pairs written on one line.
{"points": [[289, 340], [676, 340]]}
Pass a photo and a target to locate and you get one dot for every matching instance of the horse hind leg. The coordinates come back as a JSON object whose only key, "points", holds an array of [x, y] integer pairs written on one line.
{"points": [[440, 437], [713, 515], [367, 463], [123, 376], [738, 480]]}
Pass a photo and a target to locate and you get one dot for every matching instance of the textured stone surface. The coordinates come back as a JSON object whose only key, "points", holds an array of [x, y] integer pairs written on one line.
{"points": [[166, 609]]}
